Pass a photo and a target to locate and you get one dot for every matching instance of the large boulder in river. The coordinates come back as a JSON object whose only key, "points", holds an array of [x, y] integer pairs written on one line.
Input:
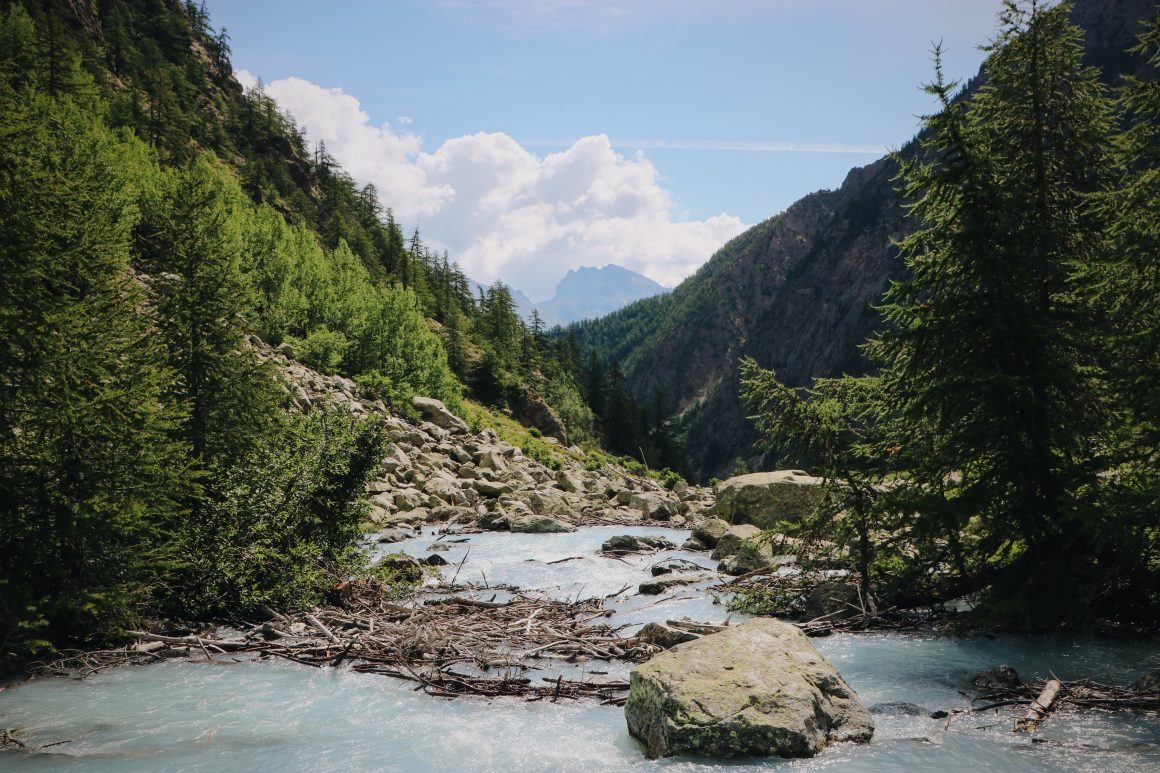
{"points": [[540, 524], [437, 413], [764, 498], [756, 689]]}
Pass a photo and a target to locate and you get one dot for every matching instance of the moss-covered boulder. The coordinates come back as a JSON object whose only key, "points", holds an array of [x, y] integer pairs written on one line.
{"points": [[764, 498], [709, 532], [757, 689]]}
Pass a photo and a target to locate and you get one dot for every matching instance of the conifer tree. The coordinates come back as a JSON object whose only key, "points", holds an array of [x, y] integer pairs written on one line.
{"points": [[88, 470], [985, 340]]}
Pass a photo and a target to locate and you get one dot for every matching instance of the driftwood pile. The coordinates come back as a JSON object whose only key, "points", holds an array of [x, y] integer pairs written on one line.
{"points": [[1047, 695], [860, 615], [450, 646], [1043, 696]]}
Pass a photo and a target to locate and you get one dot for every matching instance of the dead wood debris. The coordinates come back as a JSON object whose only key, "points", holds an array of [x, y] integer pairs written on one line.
{"points": [[449, 647]]}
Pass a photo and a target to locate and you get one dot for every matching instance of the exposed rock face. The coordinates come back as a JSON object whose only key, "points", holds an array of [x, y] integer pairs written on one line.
{"points": [[764, 498], [533, 411], [796, 292], [757, 689]]}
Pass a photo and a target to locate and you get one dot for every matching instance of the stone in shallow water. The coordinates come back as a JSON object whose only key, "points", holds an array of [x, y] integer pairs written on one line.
{"points": [[757, 689], [999, 678]]}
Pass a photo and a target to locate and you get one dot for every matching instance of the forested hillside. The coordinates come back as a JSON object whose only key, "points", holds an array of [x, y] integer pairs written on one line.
{"points": [[152, 216], [796, 292]]}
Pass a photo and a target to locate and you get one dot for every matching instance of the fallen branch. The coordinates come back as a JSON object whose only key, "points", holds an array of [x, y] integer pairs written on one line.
{"points": [[1039, 707]]}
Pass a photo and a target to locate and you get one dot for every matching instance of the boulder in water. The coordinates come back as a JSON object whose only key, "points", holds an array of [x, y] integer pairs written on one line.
{"points": [[999, 678], [628, 543], [664, 635], [756, 689], [709, 532], [540, 524], [764, 498]]}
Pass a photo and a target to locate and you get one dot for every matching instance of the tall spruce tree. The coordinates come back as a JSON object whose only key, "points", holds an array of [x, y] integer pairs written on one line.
{"points": [[190, 241], [1125, 290], [88, 470], [985, 346]]}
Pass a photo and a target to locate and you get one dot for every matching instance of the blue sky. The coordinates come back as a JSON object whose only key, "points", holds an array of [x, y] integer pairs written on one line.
{"points": [[531, 136]]}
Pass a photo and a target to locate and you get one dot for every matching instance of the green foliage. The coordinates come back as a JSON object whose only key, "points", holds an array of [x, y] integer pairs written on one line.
{"points": [[323, 349], [279, 525], [89, 473], [1008, 446], [987, 349]]}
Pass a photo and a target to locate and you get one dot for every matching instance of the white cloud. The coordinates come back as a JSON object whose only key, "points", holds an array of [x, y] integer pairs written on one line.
{"points": [[505, 212]]}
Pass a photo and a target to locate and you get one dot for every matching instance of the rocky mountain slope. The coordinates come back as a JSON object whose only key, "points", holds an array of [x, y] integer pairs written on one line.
{"points": [[438, 470], [795, 292]]}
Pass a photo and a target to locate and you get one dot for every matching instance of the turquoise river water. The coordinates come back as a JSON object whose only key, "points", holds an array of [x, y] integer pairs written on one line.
{"points": [[246, 715]]}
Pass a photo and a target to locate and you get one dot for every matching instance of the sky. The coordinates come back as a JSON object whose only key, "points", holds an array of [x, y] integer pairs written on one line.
{"points": [[528, 137]]}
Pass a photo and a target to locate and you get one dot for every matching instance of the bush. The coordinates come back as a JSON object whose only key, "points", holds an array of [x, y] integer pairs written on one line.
{"points": [[281, 526], [323, 349]]}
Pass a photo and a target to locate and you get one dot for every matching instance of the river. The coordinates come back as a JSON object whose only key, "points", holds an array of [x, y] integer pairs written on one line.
{"points": [[245, 715]]}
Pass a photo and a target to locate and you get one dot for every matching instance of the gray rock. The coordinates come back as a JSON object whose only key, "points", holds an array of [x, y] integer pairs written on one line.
{"points": [[407, 499], [497, 521], [550, 503], [693, 544], [675, 565], [446, 490], [435, 560], [438, 547], [653, 505], [540, 524], [491, 488], [733, 539], [657, 587], [1000, 678], [491, 459], [711, 531], [394, 534], [438, 414], [756, 689], [764, 498], [665, 636], [569, 481], [628, 543]]}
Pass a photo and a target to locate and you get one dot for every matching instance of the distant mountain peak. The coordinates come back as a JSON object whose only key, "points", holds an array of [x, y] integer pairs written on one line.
{"points": [[588, 292]]}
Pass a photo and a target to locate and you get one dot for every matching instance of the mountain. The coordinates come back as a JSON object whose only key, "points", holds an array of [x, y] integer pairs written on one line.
{"points": [[588, 293], [796, 292]]}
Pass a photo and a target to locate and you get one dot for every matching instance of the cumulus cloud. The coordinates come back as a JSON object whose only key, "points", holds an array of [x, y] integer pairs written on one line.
{"points": [[505, 212]]}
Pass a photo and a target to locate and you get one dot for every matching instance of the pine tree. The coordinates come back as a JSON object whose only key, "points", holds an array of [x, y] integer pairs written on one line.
{"points": [[191, 242], [88, 470], [985, 341]]}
